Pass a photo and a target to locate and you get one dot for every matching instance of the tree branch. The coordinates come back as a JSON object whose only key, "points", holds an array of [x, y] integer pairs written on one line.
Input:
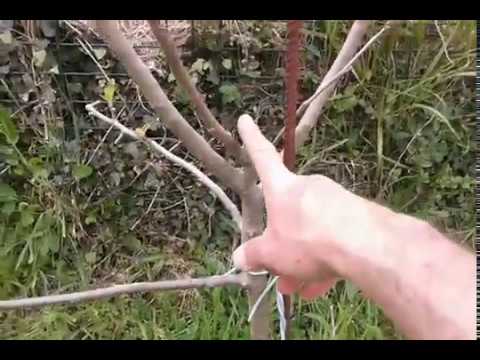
{"points": [[309, 119], [253, 209], [184, 80], [116, 290], [325, 84], [174, 121], [204, 179]]}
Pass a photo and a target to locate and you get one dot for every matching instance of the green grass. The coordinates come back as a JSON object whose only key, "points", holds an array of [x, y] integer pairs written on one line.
{"points": [[400, 131]]}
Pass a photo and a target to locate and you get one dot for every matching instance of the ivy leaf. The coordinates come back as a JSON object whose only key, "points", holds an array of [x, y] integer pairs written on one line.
{"points": [[6, 37], [90, 219], [198, 66], [131, 243], [26, 217], [109, 92], [7, 193], [227, 64], [39, 57], [54, 70], [100, 53], [171, 78], [7, 127], [82, 171], [230, 94], [37, 166], [8, 208]]}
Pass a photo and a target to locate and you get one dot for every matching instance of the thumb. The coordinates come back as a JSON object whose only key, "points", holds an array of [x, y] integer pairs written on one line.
{"points": [[251, 255]]}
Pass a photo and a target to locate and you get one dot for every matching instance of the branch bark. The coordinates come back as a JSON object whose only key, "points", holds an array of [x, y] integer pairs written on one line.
{"points": [[253, 210], [324, 85], [184, 80], [204, 179], [174, 121], [116, 290], [309, 119]]}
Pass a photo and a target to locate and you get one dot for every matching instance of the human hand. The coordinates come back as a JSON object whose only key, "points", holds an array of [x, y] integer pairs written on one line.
{"points": [[310, 220]]}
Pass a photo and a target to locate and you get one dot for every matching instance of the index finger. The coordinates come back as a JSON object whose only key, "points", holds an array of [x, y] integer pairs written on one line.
{"points": [[265, 157]]}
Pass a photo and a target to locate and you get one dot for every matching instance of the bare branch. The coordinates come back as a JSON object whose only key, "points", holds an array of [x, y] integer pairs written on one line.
{"points": [[204, 179], [116, 290], [325, 84], [184, 80], [253, 208], [175, 122], [309, 119]]}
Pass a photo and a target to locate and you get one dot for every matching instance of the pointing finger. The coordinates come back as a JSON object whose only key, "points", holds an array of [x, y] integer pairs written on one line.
{"points": [[266, 159]]}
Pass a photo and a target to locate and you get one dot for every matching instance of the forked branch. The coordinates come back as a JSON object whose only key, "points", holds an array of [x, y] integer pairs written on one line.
{"points": [[352, 43], [325, 84], [168, 114], [117, 290], [185, 81]]}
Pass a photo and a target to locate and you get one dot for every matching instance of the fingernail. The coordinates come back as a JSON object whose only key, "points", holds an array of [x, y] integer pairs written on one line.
{"points": [[244, 120], [239, 259]]}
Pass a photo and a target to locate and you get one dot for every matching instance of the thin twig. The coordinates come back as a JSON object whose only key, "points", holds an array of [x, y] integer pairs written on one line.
{"points": [[99, 145], [116, 290], [94, 59], [5, 169], [204, 179], [148, 208]]}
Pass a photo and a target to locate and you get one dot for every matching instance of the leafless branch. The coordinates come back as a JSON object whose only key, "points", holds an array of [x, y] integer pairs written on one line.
{"points": [[184, 80], [116, 290], [148, 208], [175, 122], [309, 119], [325, 84], [204, 179]]}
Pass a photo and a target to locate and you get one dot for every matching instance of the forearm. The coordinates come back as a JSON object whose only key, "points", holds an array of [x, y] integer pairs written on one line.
{"points": [[424, 282]]}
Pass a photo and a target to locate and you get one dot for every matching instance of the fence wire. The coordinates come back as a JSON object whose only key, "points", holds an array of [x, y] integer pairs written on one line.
{"points": [[235, 77]]}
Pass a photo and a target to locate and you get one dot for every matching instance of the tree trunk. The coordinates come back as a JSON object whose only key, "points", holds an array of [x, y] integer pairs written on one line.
{"points": [[253, 210]]}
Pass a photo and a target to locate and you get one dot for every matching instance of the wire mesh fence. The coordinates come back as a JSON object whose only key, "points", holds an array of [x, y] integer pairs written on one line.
{"points": [[89, 69]]}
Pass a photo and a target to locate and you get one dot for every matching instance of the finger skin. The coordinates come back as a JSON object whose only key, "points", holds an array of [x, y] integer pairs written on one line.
{"points": [[265, 158], [251, 255], [288, 286], [317, 289]]}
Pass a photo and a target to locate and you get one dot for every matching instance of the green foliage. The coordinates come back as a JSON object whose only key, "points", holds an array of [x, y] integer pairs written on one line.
{"points": [[230, 94], [81, 171], [7, 127], [7, 193], [109, 92]]}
